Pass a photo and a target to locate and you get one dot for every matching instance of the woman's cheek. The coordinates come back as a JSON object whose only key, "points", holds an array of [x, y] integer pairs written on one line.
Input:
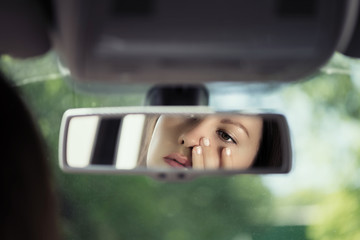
{"points": [[244, 157]]}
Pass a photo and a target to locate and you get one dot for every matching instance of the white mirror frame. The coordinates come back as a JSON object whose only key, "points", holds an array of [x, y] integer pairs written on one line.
{"points": [[162, 174]]}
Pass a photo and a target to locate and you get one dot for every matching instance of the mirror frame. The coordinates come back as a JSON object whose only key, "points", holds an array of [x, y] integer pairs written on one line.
{"points": [[168, 174]]}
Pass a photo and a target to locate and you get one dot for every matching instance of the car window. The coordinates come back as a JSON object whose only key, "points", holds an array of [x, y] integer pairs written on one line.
{"points": [[318, 199]]}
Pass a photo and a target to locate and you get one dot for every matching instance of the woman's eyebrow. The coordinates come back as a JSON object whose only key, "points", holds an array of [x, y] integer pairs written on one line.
{"points": [[229, 121]]}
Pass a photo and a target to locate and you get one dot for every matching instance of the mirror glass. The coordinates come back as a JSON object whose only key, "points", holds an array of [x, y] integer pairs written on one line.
{"points": [[180, 141]]}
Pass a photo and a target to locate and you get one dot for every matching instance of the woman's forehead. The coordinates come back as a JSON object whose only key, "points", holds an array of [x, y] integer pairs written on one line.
{"points": [[236, 117], [221, 118], [213, 115]]}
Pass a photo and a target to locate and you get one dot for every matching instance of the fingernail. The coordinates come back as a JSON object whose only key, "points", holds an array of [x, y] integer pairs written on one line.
{"points": [[228, 151], [198, 150], [206, 142]]}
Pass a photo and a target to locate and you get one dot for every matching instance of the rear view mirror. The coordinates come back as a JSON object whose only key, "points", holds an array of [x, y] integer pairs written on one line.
{"points": [[173, 139]]}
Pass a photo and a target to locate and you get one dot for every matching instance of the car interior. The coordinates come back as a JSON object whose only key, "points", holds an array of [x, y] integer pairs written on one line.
{"points": [[181, 119]]}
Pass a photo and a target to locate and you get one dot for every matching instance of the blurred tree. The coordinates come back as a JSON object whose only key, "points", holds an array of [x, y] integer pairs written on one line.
{"points": [[338, 217], [336, 90]]}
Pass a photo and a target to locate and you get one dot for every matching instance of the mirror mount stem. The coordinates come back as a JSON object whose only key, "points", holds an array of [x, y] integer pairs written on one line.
{"points": [[177, 95]]}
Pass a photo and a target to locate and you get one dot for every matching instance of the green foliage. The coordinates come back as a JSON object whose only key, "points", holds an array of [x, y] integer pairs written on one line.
{"points": [[133, 207], [334, 89], [137, 207], [305, 197], [337, 90], [339, 217], [34, 69], [283, 233]]}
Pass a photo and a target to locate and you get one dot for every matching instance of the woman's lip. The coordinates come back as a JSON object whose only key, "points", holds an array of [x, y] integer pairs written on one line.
{"points": [[177, 160], [173, 163]]}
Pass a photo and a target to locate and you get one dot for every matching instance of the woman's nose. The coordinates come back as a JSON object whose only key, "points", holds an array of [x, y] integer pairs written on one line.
{"points": [[191, 137]]}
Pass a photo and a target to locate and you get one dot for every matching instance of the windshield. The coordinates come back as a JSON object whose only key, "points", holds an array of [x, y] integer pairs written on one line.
{"points": [[318, 199]]}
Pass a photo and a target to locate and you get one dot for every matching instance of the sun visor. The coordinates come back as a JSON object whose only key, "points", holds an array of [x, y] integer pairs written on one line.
{"points": [[163, 41], [23, 29]]}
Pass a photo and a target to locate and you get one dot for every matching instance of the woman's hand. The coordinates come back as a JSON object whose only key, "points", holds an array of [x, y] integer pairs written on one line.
{"points": [[206, 157]]}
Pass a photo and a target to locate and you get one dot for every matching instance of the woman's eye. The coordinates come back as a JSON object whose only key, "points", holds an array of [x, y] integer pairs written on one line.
{"points": [[224, 136]]}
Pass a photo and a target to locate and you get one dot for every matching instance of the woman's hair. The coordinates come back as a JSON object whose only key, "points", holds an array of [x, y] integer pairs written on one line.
{"points": [[28, 208], [270, 153], [149, 125]]}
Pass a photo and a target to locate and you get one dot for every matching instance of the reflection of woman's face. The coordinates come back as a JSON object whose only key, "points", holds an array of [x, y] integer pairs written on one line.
{"points": [[209, 142]]}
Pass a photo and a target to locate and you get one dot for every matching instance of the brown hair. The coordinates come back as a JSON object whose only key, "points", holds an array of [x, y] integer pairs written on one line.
{"points": [[270, 153], [149, 125]]}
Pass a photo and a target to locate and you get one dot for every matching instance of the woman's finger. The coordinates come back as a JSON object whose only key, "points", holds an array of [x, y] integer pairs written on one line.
{"points": [[211, 158], [197, 158], [226, 158]]}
